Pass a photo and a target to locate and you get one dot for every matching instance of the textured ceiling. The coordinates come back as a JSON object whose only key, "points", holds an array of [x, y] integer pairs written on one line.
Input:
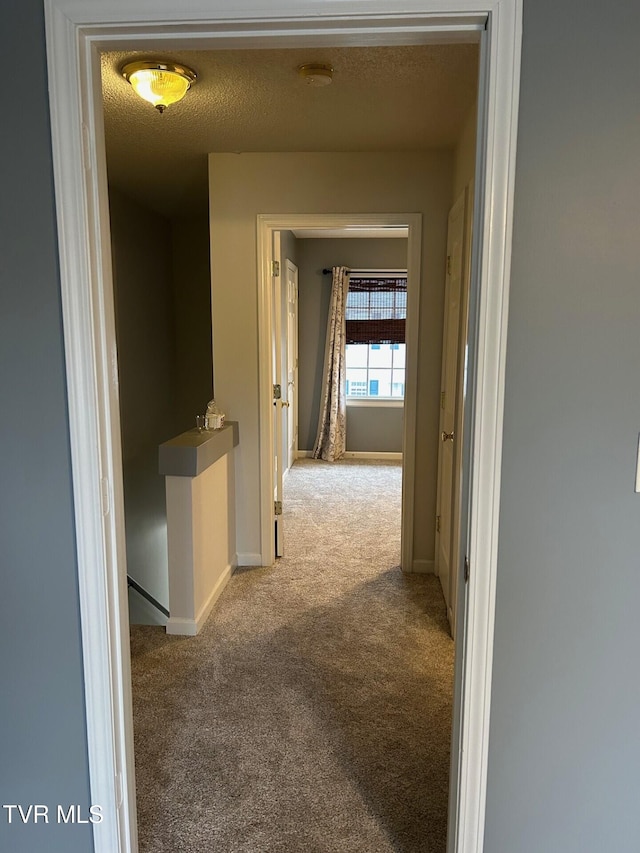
{"points": [[381, 99]]}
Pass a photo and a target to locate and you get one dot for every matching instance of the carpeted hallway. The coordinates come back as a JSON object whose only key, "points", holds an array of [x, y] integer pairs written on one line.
{"points": [[312, 714]]}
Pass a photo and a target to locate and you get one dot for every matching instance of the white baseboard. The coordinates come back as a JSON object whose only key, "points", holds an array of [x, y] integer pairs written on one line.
{"points": [[372, 454], [357, 454], [220, 584], [249, 560], [190, 627], [423, 567]]}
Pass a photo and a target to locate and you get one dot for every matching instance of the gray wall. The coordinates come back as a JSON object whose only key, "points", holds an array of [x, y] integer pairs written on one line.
{"points": [[163, 329], [289, 246], [192, 315], [464, 166], [375, 429], [564, 748], [145, 332], [42, 730], [370, 429]]}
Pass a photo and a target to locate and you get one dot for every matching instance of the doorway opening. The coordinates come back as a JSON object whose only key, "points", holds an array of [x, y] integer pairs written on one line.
{"points": [[75, 35], [270, 334]]}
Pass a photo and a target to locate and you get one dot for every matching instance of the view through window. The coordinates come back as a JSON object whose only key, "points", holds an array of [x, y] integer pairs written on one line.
{"points": [[376, 314]]}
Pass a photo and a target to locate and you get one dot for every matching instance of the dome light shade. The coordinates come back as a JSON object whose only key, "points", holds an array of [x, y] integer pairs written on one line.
{"points": [[159, 83]]}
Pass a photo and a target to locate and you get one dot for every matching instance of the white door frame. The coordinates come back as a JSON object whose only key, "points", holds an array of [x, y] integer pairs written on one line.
{"points": [[76, 31], [267, 225]]}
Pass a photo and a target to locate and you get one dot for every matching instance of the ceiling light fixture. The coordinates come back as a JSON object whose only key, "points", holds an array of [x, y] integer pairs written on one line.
{"points": [[159, 83], [316, 75]]}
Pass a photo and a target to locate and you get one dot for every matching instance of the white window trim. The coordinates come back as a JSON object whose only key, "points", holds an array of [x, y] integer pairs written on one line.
{"points": [[376, 402]]}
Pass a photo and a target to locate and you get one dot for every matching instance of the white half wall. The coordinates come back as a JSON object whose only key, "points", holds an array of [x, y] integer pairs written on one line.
{"points": [[201, 536]]}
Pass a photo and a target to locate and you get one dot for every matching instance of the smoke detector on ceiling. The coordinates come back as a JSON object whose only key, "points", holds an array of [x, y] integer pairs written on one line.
{"points": [[316, 75]]}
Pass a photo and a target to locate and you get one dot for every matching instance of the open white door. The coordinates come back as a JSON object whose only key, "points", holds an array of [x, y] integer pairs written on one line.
{"points": [[278, 401], [291, 280], [454, 339]]}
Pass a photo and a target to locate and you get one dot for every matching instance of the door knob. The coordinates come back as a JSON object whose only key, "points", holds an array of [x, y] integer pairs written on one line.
{"points": [[285, 403], [447, 436]]}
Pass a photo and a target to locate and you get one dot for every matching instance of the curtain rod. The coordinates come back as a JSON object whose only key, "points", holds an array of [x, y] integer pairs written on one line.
{"points": [[376, 271]]}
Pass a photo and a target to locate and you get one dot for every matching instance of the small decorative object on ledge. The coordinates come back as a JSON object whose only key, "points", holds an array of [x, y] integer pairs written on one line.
{"points": [[214, 417]]}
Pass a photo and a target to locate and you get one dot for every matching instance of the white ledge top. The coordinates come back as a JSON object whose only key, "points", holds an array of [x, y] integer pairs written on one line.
{"points": [[192, 452]]}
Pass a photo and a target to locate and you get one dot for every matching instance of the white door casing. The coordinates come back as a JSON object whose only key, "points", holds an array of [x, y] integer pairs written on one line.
{"points": [[266, 225], [76, 31]]}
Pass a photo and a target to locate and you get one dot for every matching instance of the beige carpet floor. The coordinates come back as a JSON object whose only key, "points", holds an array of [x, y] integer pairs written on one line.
{"points": [[312, 714]]}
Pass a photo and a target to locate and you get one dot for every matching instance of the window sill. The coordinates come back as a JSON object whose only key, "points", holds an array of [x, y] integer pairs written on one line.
{"points": [[376, 402]]}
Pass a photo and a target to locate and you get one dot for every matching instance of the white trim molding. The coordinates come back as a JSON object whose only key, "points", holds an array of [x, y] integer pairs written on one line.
{"points": [[374, 403], [359, 454], [389, 455], [191, 627], [76, 32]]}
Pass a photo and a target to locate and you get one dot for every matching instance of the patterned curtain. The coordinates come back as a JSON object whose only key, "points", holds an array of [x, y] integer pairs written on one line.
{"points": [[332, 427]]}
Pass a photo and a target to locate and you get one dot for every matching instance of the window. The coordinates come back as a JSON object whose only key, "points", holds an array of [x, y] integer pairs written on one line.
{"points": [[356, 388], [375, 371], [376, 313]]}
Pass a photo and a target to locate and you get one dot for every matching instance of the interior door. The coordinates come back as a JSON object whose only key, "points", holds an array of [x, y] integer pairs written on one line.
{"points": [[291, 272], [447, 556], [277, 377]]}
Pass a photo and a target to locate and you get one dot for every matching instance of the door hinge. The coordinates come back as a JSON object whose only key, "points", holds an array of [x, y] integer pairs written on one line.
{"points": [[119, 790], [275, 268], [467, 570], [442, 394], [277, 507], [277, 392], [448, 264], [437, 524]]}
